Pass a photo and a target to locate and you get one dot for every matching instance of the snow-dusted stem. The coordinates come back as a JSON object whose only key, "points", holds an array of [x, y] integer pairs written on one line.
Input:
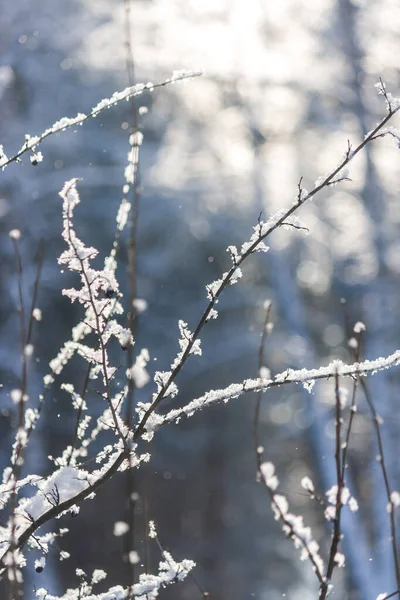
{"points": [[81, 259], [132, 180], [262, 231], [376, 420], [31, 142], [24, 428], [292, 525], [266, 329], [336, 534], [302, 376], [233, 391]]}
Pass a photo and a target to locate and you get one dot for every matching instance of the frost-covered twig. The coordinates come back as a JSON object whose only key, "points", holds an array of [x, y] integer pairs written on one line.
{"points": [[26, 418], [99, 295], [94, 284], [95, 481], [385, 596], [377, 422], [353, 335], [392, 103], [131, 186], [335, 558], [302, 376], [262, 230], [263, 372], [292, 525], [31, 142], [148, 587], [354, 347]]}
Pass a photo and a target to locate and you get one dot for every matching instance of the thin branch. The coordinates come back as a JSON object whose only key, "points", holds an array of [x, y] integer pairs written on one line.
{"points": [[376, 421], [233, 391], [225, 281], [88, 284], [288, 526], [261, 362], [353, 405], [23, 433], [134, 173], [65, 123], [336, 534], [390, 595], [79, 414], [301, 376]]}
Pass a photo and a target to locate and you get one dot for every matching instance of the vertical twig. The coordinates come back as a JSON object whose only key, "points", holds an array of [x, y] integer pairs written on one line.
{"points": [[376, 422], [336, 534], [353, 406], [131, 484], [79, 414], [261, 362], [21, 437]]}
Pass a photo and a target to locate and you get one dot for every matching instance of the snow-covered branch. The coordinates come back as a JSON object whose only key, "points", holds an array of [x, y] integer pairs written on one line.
{"points": [[32, 141], [148, 586], [305, 377], [283, 218], [99, 295]]}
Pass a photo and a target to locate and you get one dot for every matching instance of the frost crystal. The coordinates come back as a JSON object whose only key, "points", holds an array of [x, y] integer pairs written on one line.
{"points": [[359, 327], [213, 314], [303, 196], [134, 557], [264, 373], [309, 385], [343, 397], [353, 343], [16, 396], [395, 498], [307, 484], [37, 314], [340, 559], [268, 472], [120, 528], [15, 234], [138, 371], [353, 504], [3, 158], [392, 103], [140, 305], [333, 492], [123, 213], [294, 222], [152, 530]]}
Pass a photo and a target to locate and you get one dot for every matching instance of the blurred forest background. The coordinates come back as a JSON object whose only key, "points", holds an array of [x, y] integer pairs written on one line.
{"points": [[286, 84]]}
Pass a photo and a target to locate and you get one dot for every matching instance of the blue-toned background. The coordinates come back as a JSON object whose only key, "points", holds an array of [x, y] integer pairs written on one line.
{"points": [[286, 84]]}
